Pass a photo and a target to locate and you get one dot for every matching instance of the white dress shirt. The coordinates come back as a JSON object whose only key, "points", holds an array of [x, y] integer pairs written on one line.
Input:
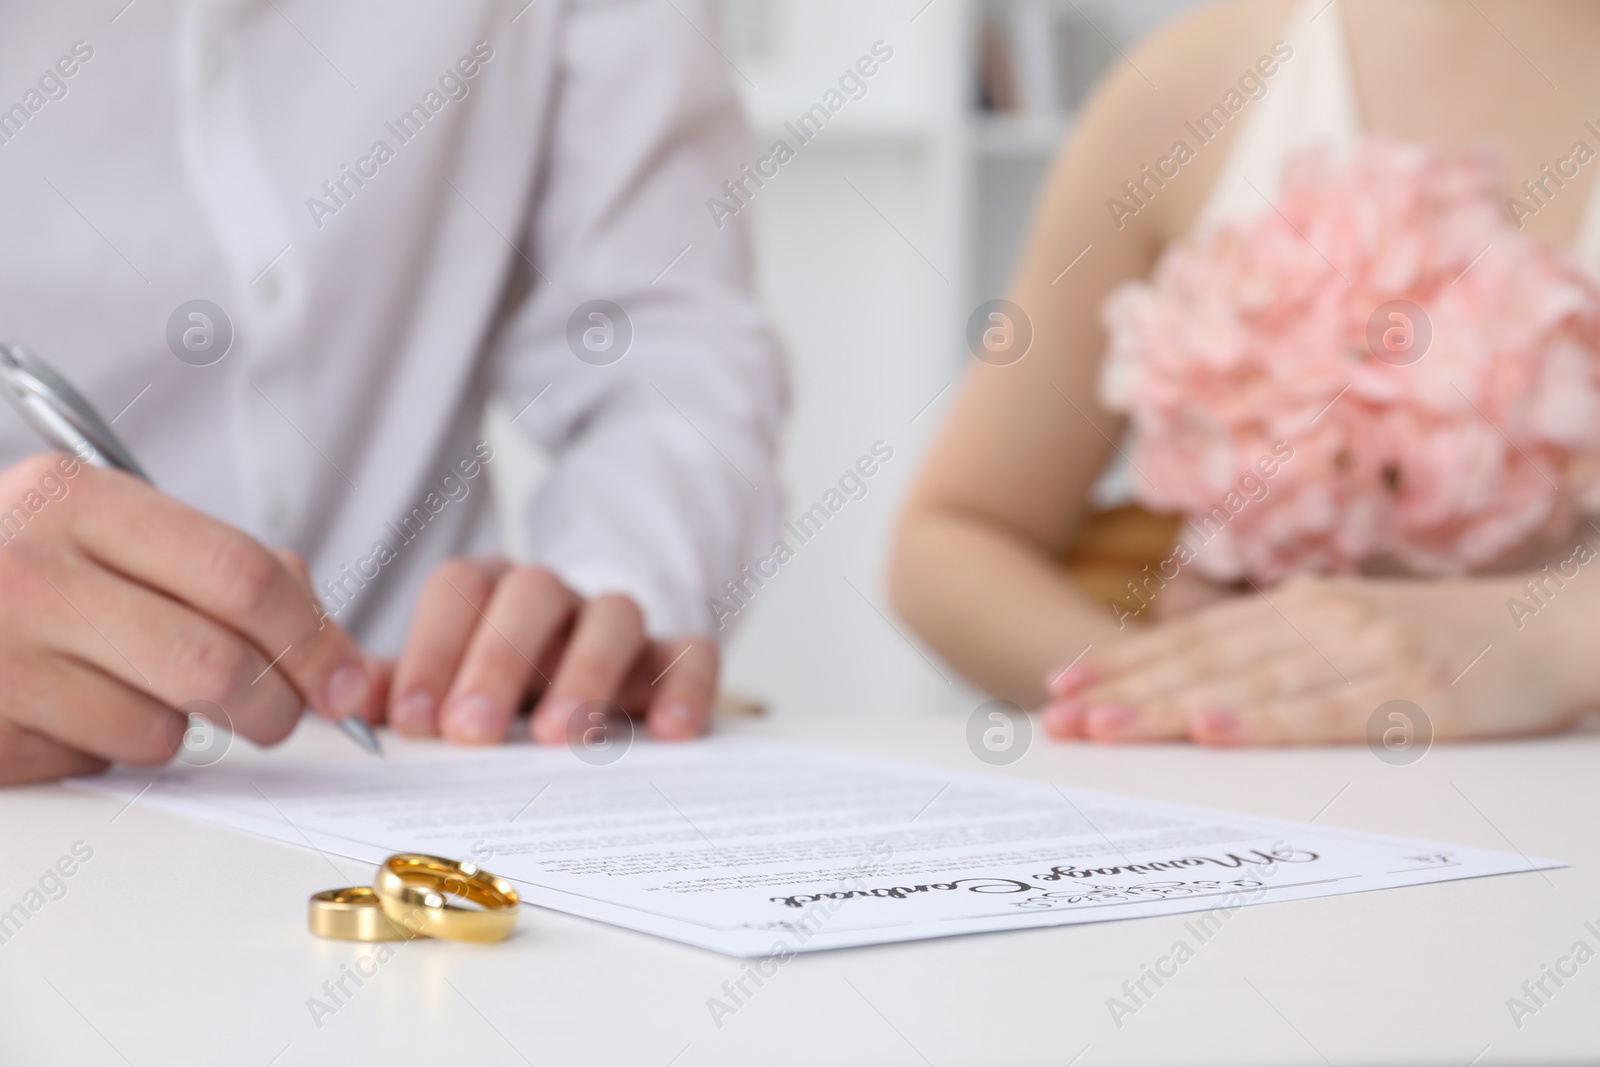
{"points": [[534, 157]]}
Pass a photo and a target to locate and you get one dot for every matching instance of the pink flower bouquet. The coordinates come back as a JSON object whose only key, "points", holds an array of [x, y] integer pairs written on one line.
{"points": [[1445, 455]]}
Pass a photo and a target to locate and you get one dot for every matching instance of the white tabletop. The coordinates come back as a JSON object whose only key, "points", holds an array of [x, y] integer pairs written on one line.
{"points": [[184, 943]]}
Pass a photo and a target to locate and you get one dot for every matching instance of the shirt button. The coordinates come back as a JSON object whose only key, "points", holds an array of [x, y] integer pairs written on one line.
{"points": [[277, 518], [270, 289]]}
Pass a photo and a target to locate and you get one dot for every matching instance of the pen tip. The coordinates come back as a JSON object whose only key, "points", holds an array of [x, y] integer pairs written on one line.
{"points": [[361, 733]]}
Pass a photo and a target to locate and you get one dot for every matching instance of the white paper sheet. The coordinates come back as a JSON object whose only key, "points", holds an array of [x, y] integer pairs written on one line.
{"points": [[756, 849]]}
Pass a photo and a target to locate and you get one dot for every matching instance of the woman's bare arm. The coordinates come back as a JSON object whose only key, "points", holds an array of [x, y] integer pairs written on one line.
{"points": [[976, 566]]}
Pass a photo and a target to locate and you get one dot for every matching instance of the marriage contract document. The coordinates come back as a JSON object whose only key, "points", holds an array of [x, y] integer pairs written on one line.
{"points": [[756, 849]]}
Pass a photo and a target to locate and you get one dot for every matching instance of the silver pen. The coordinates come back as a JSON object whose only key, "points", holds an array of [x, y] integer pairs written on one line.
{"points": [[68, 421]]}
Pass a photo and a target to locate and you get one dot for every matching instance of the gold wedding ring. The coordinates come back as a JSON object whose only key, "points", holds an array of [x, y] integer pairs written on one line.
{"points": [[353, 914], [413, 891]]}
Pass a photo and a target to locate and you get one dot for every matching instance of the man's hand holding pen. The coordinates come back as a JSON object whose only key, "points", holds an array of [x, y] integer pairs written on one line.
{"points": [[121, 604]]}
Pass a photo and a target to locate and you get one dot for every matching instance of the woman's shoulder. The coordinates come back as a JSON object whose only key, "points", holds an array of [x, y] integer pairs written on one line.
{"points": [[1167, 90], [1204, 30]]}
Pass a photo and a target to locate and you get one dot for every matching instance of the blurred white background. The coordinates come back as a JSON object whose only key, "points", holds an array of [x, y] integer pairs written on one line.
{"points": [[874, 246]]}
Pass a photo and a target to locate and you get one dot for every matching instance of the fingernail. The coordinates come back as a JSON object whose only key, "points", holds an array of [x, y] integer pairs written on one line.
{"points": [[413, 713], [1065, 717], [1215, 725], [676, 719], [550, 719], [1070, 679], [1110, 718], [347, 690], [474, 718]]}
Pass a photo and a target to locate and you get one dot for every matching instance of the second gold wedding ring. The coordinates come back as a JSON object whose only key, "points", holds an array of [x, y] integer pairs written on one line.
{"points": [[353, 914], [413, 890]]}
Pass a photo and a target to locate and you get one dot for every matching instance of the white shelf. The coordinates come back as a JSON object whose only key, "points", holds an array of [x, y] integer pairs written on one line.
{"points": [[1032, 136], [882, 132]]}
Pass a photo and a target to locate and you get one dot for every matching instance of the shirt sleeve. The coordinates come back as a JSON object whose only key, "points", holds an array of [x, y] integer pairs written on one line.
{"points": [[660, 386]]}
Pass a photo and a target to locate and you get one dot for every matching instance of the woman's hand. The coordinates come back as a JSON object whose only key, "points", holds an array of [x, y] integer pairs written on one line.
{"points": [[1311, 660], [488, 636]]}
